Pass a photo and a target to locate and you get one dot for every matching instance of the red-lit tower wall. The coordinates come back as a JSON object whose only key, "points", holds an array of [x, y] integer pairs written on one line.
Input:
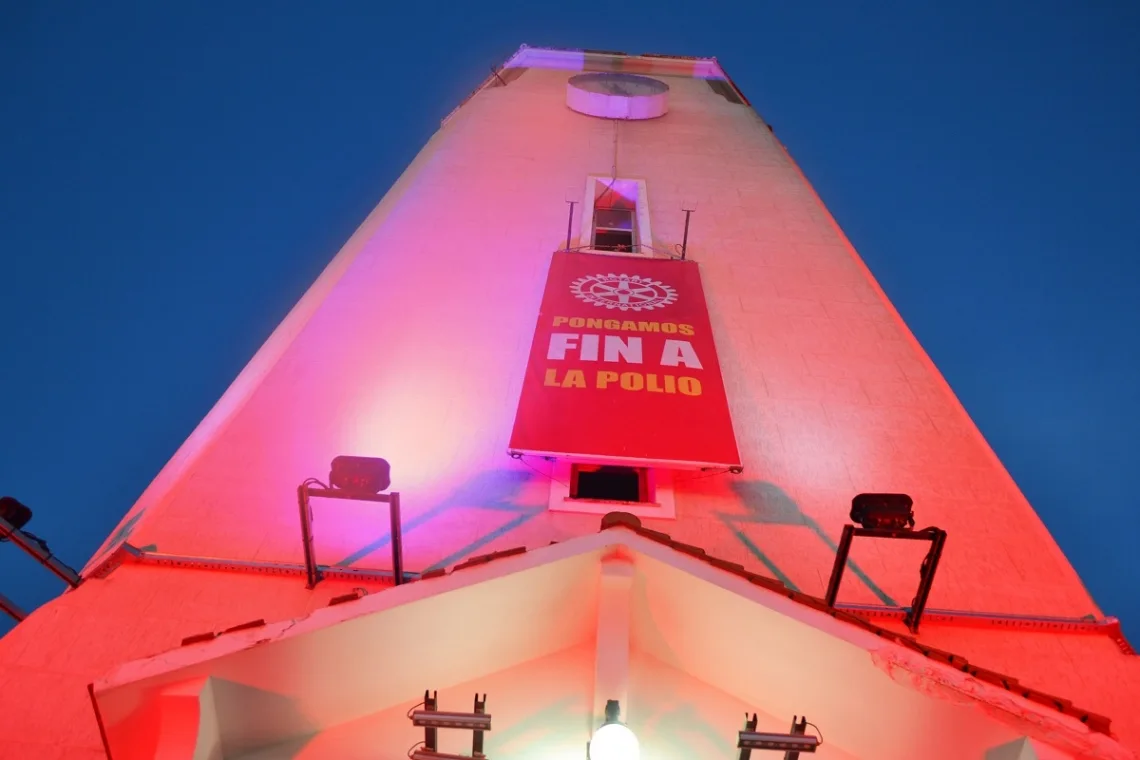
{"points": [[412, 346]]}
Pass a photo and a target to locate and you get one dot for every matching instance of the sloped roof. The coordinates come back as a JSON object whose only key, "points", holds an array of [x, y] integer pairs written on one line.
{"points": [[553, 588], [1094, 721]]}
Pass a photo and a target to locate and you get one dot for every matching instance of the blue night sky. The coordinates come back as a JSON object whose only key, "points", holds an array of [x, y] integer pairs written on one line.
{"points": [[171, 181]]}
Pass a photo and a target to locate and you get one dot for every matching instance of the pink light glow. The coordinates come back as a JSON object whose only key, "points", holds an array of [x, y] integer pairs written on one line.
{"points": [[412, 347]]}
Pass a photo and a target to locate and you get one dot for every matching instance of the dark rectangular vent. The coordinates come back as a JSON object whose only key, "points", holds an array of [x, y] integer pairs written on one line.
{"points": [[725, 90], [609, 483]]}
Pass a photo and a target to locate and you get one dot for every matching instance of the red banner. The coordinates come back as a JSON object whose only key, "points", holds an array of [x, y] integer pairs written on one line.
{"points": [[623, 367]]}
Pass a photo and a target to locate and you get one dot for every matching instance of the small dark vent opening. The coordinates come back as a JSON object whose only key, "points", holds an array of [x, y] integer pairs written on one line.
{"points": [[725, 90], [609, 483]]}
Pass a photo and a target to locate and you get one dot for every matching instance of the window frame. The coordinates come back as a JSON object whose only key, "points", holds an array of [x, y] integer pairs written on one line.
{"points": [[658, 483], [642, 232]]}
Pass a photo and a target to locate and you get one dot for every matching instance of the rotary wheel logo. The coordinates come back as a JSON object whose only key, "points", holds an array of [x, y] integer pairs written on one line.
{"points": [[623, 292]]}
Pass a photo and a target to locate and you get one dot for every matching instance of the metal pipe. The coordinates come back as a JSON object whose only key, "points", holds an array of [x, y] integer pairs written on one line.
{"points": [[929, 567], [841, 553], [570, 223], [12, 609], [37, 548], [128, 553], [397, 539], [312, 574], [685, 239], [1108, 626]]}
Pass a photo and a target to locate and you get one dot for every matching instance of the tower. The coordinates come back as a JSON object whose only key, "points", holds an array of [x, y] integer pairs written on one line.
{"points": [[669, 403]]}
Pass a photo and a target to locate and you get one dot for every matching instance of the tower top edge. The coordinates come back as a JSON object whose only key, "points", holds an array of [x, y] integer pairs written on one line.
{"points": [[587, 59]]}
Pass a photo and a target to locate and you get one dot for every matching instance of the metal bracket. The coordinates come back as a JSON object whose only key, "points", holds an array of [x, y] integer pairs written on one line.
{"points": [[12, 609], [937, 539], [38, 549], [431, 719], [305, 491]]}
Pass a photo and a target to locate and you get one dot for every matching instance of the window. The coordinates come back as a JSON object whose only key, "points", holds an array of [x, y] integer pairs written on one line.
{"points": [[615, 217], [613, 225], [609, 483]]}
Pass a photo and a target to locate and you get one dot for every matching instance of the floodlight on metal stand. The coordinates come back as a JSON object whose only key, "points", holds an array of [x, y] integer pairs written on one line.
{"points": [[889, 515], [613, 740], [352, 479], [13, 517], [431, 719], [792, 743]]}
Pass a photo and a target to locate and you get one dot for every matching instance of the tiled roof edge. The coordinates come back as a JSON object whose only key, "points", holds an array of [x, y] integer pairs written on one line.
{"points": [[1095, 722]]}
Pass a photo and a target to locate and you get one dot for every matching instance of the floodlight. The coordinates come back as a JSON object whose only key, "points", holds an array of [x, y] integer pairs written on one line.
{"points": [[792, 743], [787, 742], [431, 720], [888, 515], [14, 513], [436, 719], [613, 740], [362, 475], [883, 511]]}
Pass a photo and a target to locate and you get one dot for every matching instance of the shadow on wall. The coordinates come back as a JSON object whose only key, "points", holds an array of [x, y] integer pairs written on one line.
{"points": [[502, 490], [767, 504], [248, 715], [495, 490]]}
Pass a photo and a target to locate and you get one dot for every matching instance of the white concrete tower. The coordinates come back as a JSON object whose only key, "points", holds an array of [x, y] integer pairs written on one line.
{"points": [[524, 379]]}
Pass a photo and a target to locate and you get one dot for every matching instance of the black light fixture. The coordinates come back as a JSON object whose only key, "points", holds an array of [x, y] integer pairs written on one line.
{"points": [[360, 475], [354, 479], [889, 515], [14, 513], [431, 720], [883, 511], [792, 743]]}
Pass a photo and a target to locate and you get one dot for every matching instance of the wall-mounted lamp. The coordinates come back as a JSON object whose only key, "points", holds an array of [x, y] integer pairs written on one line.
{"points": [[887, 511], [354, 479], [888, 515], [792, 743], [613, 740], [431, 720], [360, 475]]}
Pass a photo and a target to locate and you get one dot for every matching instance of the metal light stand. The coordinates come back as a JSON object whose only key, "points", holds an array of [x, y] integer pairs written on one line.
{"points": [[749, 725], [305, 491], [39, 551], [799, 728], [937, 539]]}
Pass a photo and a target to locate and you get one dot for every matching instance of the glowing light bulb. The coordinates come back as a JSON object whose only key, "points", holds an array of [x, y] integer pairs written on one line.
{"points": [[614, 741]]}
